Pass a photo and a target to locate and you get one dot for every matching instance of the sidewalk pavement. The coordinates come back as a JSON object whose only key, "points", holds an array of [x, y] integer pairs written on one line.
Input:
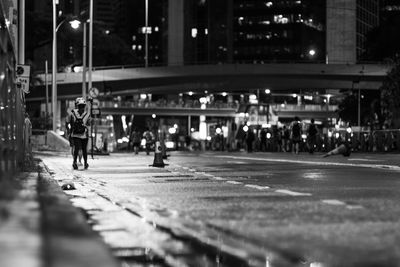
{"points": [[40, 227]]}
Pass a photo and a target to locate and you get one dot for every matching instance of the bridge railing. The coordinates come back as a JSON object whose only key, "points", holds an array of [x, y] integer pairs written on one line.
{"points": [[166, 104]]}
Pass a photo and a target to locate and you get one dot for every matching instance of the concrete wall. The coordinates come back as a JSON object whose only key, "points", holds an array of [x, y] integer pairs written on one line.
{"points": [[341, 31]]}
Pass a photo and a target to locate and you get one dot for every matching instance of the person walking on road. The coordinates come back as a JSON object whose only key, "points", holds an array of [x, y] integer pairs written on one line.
{"points": [[311, 136], [149, 137], [285, 138], [135, 139], [69, 134], [296, 135], [78, 122], [249, 140], [263, 140]]}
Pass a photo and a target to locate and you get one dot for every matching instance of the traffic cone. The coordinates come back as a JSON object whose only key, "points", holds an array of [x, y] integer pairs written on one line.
{"points": [[158, 160], [342, 149]]}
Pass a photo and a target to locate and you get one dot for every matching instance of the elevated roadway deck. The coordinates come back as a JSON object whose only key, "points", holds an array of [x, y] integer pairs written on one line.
{"points": [[224, 77]]}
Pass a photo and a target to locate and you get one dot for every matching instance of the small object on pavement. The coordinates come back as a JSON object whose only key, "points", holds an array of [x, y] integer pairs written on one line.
{"points": [[68, 186]]}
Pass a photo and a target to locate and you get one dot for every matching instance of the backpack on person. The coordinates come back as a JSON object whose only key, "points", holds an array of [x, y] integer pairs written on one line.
{"points": [[78, 126]]}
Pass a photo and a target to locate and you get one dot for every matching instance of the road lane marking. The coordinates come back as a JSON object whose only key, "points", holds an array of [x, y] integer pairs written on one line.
{"points": [[334, 202], [292, 193], [233, 182], [323, 163], [259, 187], [354, 207], [359, 159]]}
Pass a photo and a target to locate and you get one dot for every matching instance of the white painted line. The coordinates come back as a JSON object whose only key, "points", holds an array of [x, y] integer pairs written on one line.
{"points": [[207, 174], [233, 182], [324, 163], [292, 193], [354, 207], [333, 202], [358, 159], [218, 178], [236, 162], [259, 187]]}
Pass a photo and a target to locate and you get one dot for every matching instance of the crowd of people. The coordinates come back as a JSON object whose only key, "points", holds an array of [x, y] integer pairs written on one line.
{"points": [[283, 139]]}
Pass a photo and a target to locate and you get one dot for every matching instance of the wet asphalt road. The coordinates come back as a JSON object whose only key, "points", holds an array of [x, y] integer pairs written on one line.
{"points": [[264, 209]]}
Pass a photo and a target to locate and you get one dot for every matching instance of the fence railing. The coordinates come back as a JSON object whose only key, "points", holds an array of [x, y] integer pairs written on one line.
{"points": [[379, 141], [11, 110]]}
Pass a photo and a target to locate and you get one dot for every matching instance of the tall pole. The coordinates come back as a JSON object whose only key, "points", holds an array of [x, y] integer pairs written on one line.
{"points": [[46, 67], [359, 108], [19, 93], [84, 62], [21, 32], [146, 34], [54, 67], [90, 43]]}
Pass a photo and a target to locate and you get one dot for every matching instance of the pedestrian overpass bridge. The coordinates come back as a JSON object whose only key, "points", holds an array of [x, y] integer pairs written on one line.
{"points": [[219, 78]]}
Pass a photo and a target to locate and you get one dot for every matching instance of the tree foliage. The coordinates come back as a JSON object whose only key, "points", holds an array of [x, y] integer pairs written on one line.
{"points": [[390, 96]]}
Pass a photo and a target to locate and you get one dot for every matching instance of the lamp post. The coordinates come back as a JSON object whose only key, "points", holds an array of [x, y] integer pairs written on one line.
{"points": [[54, 67], [146, 34], [75, 24], [90, 44], [54, 64]]}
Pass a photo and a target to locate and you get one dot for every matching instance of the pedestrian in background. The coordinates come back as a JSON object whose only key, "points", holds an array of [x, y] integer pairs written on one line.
{"points": [[263, 140], [135, 139], [249, 140], [295, 135], [149, 137], [285, 138], [311, 136], [78, 122]]}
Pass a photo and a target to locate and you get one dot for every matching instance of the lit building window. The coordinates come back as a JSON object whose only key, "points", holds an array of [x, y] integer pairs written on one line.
{"points": [[268, 4], [280, 19], [139, 47], [156, 29], [133, 47], [194, 32]]}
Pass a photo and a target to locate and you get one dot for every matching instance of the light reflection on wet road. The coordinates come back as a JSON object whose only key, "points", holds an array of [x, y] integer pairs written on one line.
{"points": [[273, 208]]}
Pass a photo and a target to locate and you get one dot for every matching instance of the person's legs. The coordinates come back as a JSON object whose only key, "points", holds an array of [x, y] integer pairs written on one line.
{"points": [[77, 145], [84, 151], [80, 156]]}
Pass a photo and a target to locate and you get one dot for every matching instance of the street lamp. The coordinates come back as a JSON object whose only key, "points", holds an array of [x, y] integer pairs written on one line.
{"points": [[54, 56], [146, 22], [75, 24], [54, 64]]}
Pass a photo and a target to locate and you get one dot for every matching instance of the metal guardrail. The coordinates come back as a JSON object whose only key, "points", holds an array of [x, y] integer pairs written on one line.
{"points": [[11, 110], [378, 141]]}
